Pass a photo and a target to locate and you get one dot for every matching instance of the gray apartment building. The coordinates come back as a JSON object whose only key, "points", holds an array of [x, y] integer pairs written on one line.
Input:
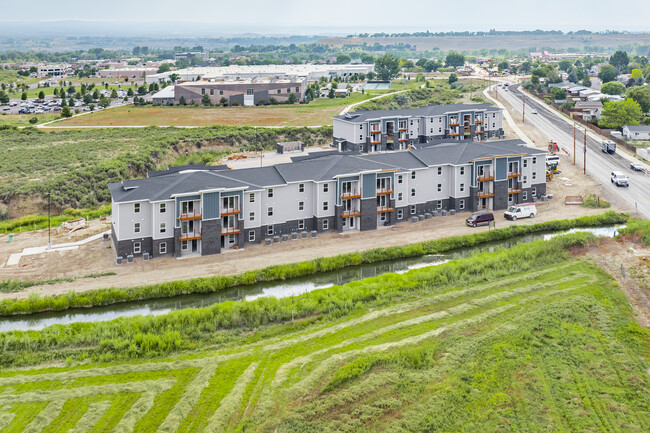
{"points": [[201, 210], [386, 130], [247, 92]]}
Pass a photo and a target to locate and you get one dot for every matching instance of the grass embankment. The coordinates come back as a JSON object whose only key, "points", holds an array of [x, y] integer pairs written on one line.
{"points": [[103, 297], [593, 201], [639, 229], [523, 337], [24, 119]]}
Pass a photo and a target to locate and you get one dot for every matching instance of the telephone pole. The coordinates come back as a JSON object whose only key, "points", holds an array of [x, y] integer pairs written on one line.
{"points": [[574, 142], [584, 170], [523, 110]]}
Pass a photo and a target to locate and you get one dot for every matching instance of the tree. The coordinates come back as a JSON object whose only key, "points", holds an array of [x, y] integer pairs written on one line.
{"points": [[33, 120], [66, 112], [553, 77], [165, 67], [621, 113], [573, 77], [586, 81], [292, 98], [387, 67], [641, 94], [129, 92], [534, 79], [453, 78], [525, 67], [41, 95], [182, 101], [637, 76], [331, 93], [71, 102], [87, 99], [619, 60], [431, 66], [368, 59], [104, 102], [24, 96], [206, 100], [558, 94], [56, 92], [421, 62], [454, 59], [607, 73], [113, 94], [613, 88], [503, 66], [342, 59], [96, 94], [223, 101], [564, 65]]}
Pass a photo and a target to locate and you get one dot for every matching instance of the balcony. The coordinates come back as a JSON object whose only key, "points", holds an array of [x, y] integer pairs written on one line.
{"points": [[484, 194], [454, 134], [195, 215], [485, 177], [403, 139], [384, 209], [350, 195], [190, 236], [230, 231], [375, 142], [510, 175], [453, 122], [230, 211], [514, 191], [375, 130], [480, 132], [384, 191], [478, 122], [351, 213], [403, 129]]}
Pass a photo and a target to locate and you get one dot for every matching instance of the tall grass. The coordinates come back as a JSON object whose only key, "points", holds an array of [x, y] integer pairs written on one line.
{"points": [[637, 228]]}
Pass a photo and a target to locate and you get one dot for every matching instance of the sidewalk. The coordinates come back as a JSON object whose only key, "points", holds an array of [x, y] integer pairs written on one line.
{"points": [[14, 259]]}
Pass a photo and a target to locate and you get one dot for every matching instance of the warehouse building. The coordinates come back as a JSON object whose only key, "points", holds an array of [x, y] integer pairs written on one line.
{"points": [[202, 210]]}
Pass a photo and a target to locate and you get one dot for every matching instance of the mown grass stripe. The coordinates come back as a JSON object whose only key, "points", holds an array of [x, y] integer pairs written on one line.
{"points": [[91, 417], [45, 417], [136, 412], [5, 419]]}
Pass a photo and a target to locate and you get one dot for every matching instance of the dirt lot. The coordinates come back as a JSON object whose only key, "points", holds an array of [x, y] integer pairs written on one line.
{"points": [[98, 257]]}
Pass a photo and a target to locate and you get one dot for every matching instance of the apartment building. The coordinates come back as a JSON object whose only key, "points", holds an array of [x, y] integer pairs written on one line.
{"points": [[241, 92], [202, 210], [386, 130]]}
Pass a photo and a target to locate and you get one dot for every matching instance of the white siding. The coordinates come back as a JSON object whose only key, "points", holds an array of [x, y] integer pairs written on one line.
{"points": [[128, 218], [168, 217]]}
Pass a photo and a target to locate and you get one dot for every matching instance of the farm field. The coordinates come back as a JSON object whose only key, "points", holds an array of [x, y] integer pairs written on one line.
{"points": [[525, 339]]}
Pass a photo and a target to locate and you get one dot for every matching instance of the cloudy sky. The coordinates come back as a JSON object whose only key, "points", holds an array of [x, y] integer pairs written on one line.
{"points": [[309, 16]]}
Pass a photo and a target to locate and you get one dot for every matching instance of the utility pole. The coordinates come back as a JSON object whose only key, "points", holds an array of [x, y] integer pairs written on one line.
{"points": [[574, 142], [584, 170], [523, 110], [49, 224]]}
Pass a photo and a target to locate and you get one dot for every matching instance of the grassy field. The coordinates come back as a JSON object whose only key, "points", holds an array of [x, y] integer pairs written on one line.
{"points": [[554, 348], [23, 119]]}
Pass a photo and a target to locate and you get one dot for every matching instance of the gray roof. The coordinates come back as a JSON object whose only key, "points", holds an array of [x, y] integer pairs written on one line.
{"points": [[192, 179], [638, 128], [429, 110]]}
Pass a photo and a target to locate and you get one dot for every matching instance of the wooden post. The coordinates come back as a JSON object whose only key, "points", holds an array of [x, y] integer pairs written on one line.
{"points": [[574, 142], [584, 170]]}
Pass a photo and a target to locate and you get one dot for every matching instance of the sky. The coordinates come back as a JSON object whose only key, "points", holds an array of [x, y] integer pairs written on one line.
{"points": [[347, 16]]}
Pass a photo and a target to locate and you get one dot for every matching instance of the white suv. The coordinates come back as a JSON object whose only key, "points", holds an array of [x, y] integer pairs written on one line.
{"points": [[619, 179]]}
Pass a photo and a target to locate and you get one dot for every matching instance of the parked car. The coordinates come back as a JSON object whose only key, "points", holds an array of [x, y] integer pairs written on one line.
{"points": [[534, 111], [526, 210], [619, 179], [636, 166], [479, 218]]}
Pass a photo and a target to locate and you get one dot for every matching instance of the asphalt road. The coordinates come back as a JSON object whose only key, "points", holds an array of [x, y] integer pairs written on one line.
{"points": [[599, 165]]}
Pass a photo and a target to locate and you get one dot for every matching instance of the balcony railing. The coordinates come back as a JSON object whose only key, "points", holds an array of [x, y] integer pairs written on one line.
{"points": [[383, 209], [485, 177], [403, 129], [478, 122], [375, 130], [514, 191], [485, 194], [384, 191], [403, 139], [375, 142], [350, 194], [351, 213], [230, 230], [454, 134], [188, 236], [230, 211], [453, 122], [514, 174], [191, 215]]}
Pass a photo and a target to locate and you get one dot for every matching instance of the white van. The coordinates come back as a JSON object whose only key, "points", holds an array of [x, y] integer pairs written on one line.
{"points": [[526, 210]]}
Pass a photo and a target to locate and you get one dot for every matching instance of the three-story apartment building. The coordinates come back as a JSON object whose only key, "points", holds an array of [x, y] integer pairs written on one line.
{"points": [[201, 210], [376, 131]]}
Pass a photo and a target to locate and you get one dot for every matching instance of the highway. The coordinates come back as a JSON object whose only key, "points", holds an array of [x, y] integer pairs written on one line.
{"points": [[599, 165]]}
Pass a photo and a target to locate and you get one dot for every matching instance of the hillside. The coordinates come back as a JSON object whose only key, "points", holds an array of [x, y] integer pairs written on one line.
{"points": [[524, 339]]}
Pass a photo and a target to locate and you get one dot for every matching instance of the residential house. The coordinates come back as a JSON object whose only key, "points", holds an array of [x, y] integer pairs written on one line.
{"points": [[637, 132]]}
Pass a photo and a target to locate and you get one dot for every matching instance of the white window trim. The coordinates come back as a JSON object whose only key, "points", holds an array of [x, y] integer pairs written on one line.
{"points": [[137, 227], [137, 247], [162, 248], [251, 236]]}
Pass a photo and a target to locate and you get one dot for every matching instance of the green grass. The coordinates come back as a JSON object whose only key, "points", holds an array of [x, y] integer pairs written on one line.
{"points": [[525, 338], [24, 119], [593, 201]]}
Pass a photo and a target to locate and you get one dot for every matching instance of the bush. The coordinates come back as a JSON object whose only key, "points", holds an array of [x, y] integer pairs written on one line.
{"points": [[592, 201]]}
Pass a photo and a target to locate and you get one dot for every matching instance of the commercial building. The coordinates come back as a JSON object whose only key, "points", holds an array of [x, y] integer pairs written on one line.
{"points": [[241, 92], [52, 70], [137, 72], [375, 131], [201, 210]]}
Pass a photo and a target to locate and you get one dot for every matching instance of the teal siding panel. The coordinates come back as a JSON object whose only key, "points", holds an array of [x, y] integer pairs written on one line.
{"points": [[369, 185], [211, 203], [501, 169]]}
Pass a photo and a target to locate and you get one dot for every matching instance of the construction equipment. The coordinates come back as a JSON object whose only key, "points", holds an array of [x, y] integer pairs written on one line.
{"points": [[552, 167], [553, 147], [549, 176]]}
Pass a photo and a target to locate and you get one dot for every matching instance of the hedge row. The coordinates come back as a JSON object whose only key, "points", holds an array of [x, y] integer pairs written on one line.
{"points": [[103, 297]]}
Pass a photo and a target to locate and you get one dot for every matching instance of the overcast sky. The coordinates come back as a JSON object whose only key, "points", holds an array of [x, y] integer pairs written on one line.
{"points": [[309, 16]]}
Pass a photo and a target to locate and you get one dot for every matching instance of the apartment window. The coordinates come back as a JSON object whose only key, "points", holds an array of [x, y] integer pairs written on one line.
{"points": [[494, 115], [326, 187], [251, 216], [439, 187], [494, 125], [360, 126], [525, 179], [361, 148], [326, 224], [533, 193], [163, 227], [534, 175], [297, 89], [412, 192], [136, 207], [220, 92], [432, 130], [301, 205], [289, 90], [202, 91], [269, 211], [269, 230], [162, 248], [439, 171], [136, 228], [250, 92], [461, 204], [211, 91], [269, 192], [525, 163], [360, 137], [462, 171], [524, 195], [301, 224], [534, 160], [251, 198], [400, 214], [251, 236], [439, 130], [326, 205], [462, 187], [413, 209], [163, 208], [439, 204], [137, 247], [413, 175], [399, 196], [183, 245], [399, 179], [279, 91], [301, 187]]}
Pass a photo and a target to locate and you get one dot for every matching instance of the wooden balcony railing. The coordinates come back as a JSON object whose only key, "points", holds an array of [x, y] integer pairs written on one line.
{"points": [[485, 177], [191, 215], [351, 213], [514, 191], [383, 209], [230, 230], [230, 211], [485, 194], [384, 191], [514, 174], [350, 195], [189, 236]]}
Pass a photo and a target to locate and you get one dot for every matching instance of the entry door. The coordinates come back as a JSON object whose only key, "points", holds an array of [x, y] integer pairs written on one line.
{"points": [[195, 245]]}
